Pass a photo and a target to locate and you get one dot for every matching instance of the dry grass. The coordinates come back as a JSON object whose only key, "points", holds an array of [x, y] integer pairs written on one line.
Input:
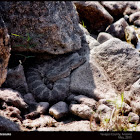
{"points": [[115, 122]]}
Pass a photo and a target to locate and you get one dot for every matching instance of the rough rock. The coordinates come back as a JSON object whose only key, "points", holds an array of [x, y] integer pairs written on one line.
{"points": [[117, 29], [115, 8], [119, 61], [84, 30], [7, 125], [59, 110], [87, 79], [82, 125], [50, 27], [103, 112], [20, 83], [130, 35], [70, 98], [133, 118], [37, 109], [43, 121], [81, 99], [12, 97], [135, 18], [95, 17], [103, 37], [12, 113], [132, 7], [81, 110], [29, 98], [4, 50], [132, 97], [137, 23], [42, 107]]}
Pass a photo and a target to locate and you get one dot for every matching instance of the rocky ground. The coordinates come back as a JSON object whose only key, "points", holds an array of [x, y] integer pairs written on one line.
{"points": [[70, 66]]}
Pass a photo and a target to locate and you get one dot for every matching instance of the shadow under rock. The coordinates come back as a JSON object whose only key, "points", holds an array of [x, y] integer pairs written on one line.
{"points": [[89, 79], [8, 125]]}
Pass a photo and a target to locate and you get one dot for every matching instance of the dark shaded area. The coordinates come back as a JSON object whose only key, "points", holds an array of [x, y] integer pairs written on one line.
{"points": [[8, 125]]}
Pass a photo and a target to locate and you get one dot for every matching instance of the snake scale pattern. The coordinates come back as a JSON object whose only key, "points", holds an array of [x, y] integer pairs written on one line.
{"points": [[50, 80]]}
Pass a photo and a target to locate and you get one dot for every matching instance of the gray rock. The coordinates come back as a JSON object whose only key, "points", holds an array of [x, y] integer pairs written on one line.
{"points": [[95, 17], [59, 110], [29, 98], [115, 8], [70, 98], [42, 107], [132, 97], [44, 120], [37, 109], [104, 112], [84, 29], [132, 7], [7, 125], [20, 83], [81, 110], [50, 27], [119, 61], [137, 23], [133, 118], [12, 97], [130, 35], [87, 101], [103, 37], [4, 50], [11, 113], [126, 17], [117, 29], [134, 18], [87, 79]]}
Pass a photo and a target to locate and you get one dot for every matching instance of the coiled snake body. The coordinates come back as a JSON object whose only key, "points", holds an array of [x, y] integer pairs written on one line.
{"points": [[50, 80]]}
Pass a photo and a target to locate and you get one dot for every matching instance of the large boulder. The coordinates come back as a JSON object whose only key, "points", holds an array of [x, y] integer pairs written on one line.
{"points": [[36, 26], [4, 50], [119, 61], [95, 17], [87, 79]]}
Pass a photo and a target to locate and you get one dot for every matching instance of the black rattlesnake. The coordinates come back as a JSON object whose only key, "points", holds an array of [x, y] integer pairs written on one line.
{"points": [[50, 80]]}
